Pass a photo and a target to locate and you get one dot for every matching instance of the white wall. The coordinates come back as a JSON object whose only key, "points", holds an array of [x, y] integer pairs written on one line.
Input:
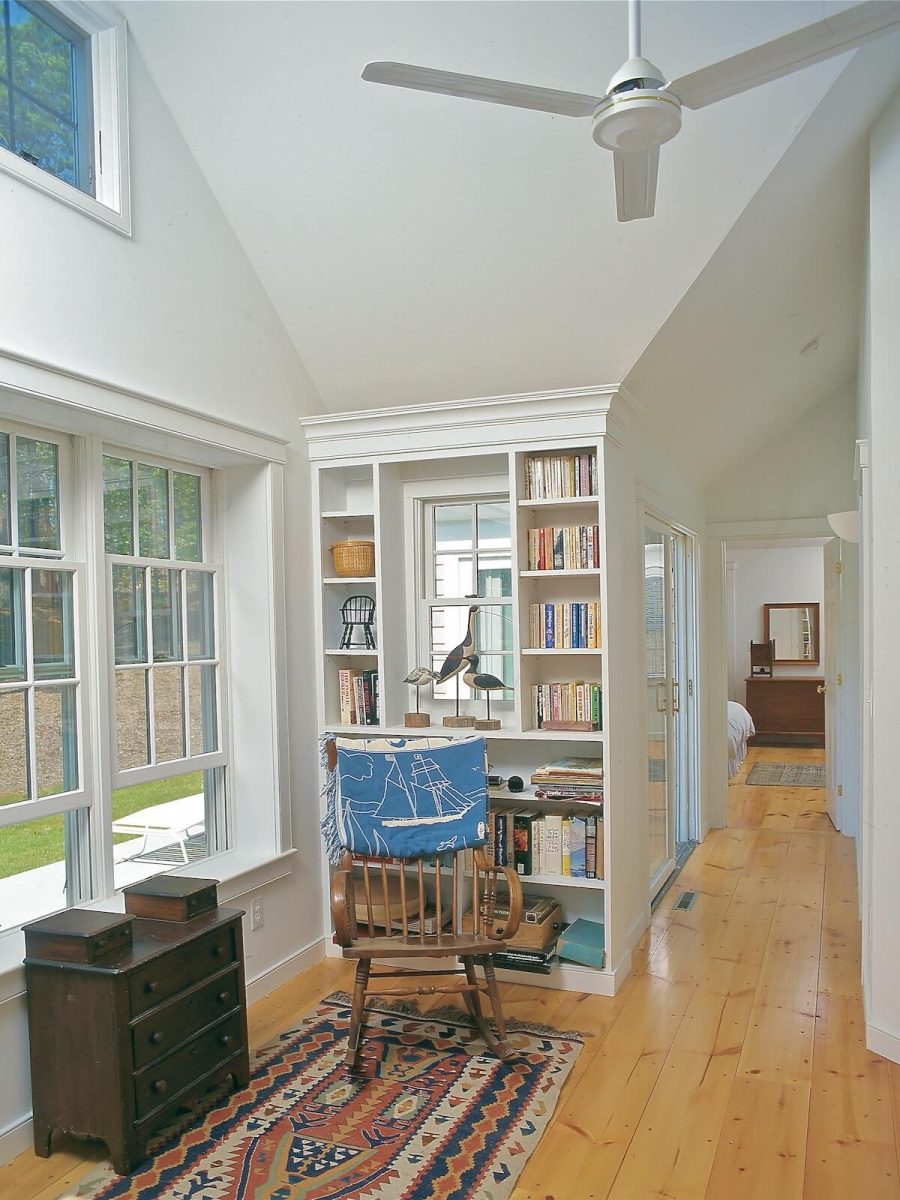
{"points": [[881, 584], [775, 575], [177, 313], [806, 470]]}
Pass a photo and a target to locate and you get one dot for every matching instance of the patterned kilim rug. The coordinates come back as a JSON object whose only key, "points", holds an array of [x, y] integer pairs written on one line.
{"points": [[432, 1116], [787, 775]]}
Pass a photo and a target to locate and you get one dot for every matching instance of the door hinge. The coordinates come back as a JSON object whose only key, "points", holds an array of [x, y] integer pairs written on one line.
{"points": [[840, 681], [839, 567], [840, 789], [690, 687]]}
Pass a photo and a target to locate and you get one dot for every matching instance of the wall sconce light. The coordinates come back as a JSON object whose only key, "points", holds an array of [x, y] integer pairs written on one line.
{"points": [[845, 525]]}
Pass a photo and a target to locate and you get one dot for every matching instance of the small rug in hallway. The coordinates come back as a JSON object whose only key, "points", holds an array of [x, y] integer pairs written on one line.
{"points": [[432, 1115], [787, 775]]}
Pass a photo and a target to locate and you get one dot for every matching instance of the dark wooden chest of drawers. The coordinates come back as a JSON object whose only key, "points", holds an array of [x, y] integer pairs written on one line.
{"points": [[786, 710], [120, 1045]]}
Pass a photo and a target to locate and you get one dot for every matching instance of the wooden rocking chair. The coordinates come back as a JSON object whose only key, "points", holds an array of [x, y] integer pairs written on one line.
{"points": [[385, 913]]}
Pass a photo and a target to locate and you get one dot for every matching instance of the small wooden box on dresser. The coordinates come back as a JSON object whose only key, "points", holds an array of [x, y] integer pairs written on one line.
{"points": [[125, 1031]]}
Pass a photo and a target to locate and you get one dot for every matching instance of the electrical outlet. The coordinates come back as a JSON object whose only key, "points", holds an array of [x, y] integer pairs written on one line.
{"points": [[256, 912]]}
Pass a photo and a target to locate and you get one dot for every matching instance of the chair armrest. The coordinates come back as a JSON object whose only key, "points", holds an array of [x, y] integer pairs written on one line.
{"points": [[510, 926], [343, 910]]}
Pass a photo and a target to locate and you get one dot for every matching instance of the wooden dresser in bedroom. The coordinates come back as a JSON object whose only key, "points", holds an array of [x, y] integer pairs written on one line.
{"points": [[786, 710]]}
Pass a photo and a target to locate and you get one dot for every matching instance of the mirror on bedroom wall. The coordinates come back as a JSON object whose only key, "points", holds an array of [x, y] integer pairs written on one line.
{"points": [[795, 631]]}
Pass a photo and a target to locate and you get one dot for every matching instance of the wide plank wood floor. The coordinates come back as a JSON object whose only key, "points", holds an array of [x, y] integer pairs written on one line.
{"points": [[731, 1064]]}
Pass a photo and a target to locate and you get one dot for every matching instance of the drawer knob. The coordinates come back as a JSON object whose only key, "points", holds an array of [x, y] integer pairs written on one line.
{"points": [[156, 1038], [226, 1039], [222, 997], [160, 1085], [218, 951], [152, 985]]}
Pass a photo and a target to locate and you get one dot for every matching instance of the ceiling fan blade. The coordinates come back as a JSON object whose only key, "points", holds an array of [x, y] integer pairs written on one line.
{"points": [[475, 87], [636, 183], [806, 46]]}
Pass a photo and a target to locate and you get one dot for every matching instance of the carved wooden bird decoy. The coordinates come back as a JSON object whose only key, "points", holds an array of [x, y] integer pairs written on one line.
{"points": [[419, 676], [479, 681], [458, 656]]}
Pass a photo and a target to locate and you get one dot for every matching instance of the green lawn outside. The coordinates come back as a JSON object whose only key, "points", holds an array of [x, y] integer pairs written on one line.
{"points": [[38, 843]]}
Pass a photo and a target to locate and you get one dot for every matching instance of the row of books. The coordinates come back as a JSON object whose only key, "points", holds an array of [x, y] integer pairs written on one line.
{"points": [[560, 476], [564, 626], [358, 694], [578, 701], [535, 843], [564, 548]]}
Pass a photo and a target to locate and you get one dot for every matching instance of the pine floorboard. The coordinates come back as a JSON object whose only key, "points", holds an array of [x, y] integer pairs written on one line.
{"points": [[732, 1063]]}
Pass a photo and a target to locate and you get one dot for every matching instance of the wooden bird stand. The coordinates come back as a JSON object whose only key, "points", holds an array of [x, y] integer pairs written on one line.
{"points": [[487, 723], [459, 722], [416, 720]]}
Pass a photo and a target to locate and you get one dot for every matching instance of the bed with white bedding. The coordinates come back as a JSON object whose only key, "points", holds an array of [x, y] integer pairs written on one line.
{"points": [[740, 727]]}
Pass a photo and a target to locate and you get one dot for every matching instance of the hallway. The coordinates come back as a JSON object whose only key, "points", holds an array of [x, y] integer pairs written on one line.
{"points": [[730, 1065]]}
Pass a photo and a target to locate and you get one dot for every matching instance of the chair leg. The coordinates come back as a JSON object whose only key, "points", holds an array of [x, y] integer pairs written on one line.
{"points": [[496, 1045], [363, 967]]}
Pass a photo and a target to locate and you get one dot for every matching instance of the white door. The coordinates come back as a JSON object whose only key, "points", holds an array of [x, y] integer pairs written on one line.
{"points": [[833, 672]]}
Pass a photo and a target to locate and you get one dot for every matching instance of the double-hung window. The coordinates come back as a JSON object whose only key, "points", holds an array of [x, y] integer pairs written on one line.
{"points": [[467, 557], [168, 744], [44, 797]]}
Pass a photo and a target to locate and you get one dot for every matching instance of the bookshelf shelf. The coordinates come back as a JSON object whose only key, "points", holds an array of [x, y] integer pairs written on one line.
{"points": [[379, 474]]}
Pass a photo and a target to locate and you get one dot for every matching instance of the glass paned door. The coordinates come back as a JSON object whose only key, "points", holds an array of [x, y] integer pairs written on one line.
{"points": [[661, 687]]}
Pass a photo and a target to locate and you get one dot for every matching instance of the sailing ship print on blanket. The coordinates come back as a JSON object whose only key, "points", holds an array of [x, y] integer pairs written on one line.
{"points": [[412, 802]]}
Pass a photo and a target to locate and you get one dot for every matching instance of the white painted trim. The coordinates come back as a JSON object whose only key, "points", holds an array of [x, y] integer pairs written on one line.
{"points": [[470, 426], [44, 393], [811, 527], [286, 970], [16, 1139], [885, 1044]]}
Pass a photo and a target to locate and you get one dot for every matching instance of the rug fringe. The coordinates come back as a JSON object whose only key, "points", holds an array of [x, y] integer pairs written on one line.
{"points": [[456, 1016]]}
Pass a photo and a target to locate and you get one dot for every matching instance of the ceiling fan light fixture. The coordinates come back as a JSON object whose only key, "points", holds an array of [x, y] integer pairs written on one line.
{"points": [[633, 122]]}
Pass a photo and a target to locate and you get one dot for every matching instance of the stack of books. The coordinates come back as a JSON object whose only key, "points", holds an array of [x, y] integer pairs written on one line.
{"points": [[560, 476], [570, 779], [564, 626], [358, 697], [564, 548], [571, 702], [539, 961]]}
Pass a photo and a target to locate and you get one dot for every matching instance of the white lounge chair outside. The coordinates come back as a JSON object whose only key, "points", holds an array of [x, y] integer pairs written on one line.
{"points": [[173, 821]]}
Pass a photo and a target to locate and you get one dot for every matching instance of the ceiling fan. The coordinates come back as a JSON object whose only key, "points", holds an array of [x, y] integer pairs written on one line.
{"points": [[641, 111]]}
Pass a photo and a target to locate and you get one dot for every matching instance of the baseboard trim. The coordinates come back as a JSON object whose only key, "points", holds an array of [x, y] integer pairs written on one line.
{"points": [[885, 1044], [266, 982], [16, 1139]]}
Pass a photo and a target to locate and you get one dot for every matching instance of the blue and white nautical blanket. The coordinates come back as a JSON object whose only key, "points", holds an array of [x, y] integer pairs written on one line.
{"points": [[407, 800]]}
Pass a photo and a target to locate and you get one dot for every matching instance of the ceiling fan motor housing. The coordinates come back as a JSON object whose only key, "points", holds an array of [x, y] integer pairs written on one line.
{"points": [[635, 120]]}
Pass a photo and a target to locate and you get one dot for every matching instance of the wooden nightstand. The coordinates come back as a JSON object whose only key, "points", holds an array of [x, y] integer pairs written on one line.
{"points": [[121, 1043]]}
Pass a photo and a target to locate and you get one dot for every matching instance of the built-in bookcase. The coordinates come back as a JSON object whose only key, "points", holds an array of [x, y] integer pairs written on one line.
{"points": [[550, 459]]}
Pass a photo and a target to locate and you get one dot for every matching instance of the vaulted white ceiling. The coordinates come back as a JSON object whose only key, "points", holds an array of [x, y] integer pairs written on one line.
{"points": [[422, 248]]}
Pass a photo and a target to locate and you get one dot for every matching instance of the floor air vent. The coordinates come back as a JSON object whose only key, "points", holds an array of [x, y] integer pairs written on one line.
{"points": [[686, 900]]}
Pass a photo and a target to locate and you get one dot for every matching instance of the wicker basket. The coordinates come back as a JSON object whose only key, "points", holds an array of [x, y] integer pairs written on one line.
{"points": [[354, 558]]}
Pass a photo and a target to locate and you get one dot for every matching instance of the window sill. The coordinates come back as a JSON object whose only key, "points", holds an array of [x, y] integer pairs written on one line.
{"points": [[65, 193], [237, 872]]}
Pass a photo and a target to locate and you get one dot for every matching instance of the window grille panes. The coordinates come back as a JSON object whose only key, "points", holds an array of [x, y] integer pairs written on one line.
{"points": [[14, 756], [118, 506], [45, 91], [132, 726], [200, 629], [129, 614], [186, 509], [57, 758], [12, 625], [202, 706], [53, 632], [5, 522], [153, 511], [165, 606], [168, 713], [37, 493]]}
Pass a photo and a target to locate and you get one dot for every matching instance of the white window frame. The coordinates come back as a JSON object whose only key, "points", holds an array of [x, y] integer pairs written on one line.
{"points": [[423, 498], [111, 202]]}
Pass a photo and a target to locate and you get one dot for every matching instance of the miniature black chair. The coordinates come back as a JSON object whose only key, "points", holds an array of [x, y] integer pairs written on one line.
{"points": [[358, 610]]}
